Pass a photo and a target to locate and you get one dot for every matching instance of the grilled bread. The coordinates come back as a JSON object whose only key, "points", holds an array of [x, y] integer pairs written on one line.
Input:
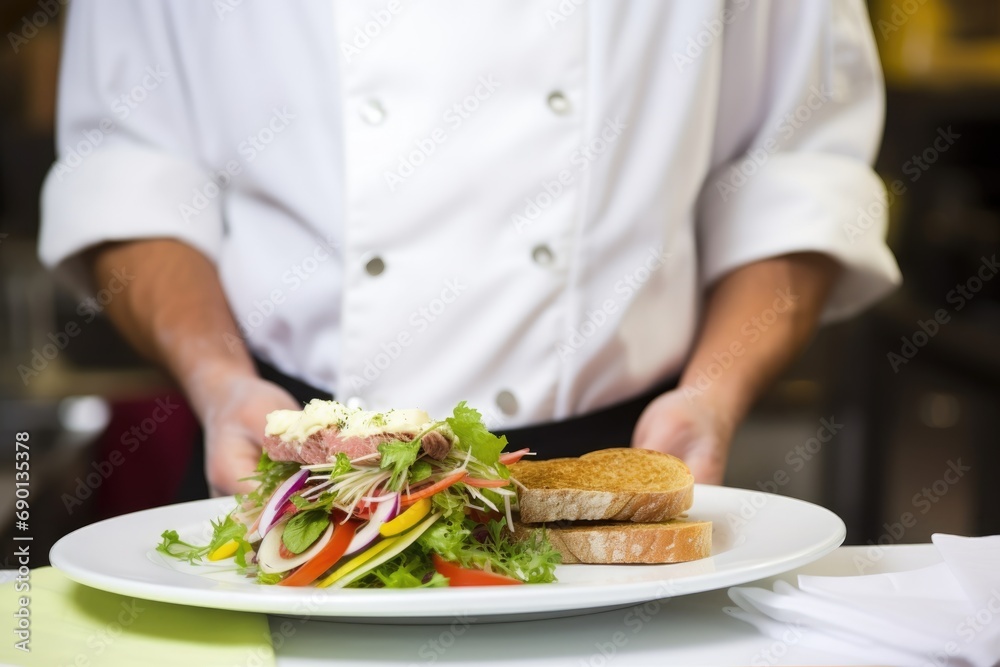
{"points": [[620, 484], [600, 542]]}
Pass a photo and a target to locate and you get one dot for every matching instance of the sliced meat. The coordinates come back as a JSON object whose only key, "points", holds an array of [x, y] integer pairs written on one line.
{"points": [[435, 445], [323, 446]]}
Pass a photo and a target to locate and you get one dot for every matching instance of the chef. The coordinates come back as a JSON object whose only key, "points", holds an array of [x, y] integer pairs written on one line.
{"points": [[601, 223]]}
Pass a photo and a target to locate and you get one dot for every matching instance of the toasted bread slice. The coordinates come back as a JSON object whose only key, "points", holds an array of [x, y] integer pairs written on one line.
{"points": [[601, 542], [620, 484]]}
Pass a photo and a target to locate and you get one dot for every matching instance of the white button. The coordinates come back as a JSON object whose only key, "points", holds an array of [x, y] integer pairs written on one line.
{"points": [[355, 403], [372, 112], [543, 255], [558, 103], [375, 266], [507, 402]]}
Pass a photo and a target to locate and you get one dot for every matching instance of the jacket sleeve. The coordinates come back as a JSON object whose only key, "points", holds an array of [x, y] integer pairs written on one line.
{"points": [[127, 165], [800, 120]]}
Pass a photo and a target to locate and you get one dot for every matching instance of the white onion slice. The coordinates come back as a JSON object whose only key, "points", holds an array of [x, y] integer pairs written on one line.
{"points": [[269, 557], [388, 508], [379, 499]]}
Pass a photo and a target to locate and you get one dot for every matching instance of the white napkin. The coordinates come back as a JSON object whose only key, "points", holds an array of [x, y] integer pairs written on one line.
{"points": [[943, 615]]}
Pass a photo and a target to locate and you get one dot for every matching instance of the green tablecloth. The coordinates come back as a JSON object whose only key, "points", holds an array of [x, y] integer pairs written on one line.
{"points": [[77, 625]]}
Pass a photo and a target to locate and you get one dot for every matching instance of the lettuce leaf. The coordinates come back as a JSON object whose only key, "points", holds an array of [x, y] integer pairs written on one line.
{"points": [[467, 424], [420, 471], [399, 456], [303, 529], [222, 531], [410, 569], [491, 546], [341, 466]]}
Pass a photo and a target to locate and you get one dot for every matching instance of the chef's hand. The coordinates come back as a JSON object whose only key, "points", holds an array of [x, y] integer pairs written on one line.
{"points": [[728, 369], [690, 428], [234, 422], [175, 313]]}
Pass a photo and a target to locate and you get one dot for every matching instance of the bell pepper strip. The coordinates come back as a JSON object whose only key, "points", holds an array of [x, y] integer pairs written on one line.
{"points": [[485, 483], [513, 457], [430, 490], [464, 576], [408, 519], [310, 571], [393, 546], [358, 561], [224, 550]]}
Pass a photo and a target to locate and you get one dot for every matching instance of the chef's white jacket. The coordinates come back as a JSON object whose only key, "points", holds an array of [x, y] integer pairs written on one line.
{"points": [[514, 203]]}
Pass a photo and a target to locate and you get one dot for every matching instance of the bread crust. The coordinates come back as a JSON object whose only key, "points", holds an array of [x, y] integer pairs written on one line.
{"points": [[600, 543]]}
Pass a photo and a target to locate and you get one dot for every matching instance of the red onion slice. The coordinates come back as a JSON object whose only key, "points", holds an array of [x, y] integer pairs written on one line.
{"points": [[278, 499]]}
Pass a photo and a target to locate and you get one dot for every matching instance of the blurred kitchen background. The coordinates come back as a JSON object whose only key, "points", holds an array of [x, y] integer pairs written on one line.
{"points": [[879, 440]]}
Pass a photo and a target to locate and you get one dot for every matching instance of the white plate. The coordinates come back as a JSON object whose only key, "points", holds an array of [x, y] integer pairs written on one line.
{"points": [[755, 535]]}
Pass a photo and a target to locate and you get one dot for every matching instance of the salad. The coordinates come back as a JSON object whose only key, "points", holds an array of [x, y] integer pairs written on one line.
{"points": [[394, 518]]}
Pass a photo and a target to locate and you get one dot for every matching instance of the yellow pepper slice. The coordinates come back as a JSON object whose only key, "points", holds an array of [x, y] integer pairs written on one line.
{"points": [[358, 561], [408, 519], [226, 550]]}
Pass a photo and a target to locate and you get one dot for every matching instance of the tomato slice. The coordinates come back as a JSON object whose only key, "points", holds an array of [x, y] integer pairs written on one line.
{"points": [[464, 576], [309, 572], [513, 457]]}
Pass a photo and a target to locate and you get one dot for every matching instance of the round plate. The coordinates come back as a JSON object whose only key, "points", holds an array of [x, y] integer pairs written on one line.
{"points": [[755, 535]]}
